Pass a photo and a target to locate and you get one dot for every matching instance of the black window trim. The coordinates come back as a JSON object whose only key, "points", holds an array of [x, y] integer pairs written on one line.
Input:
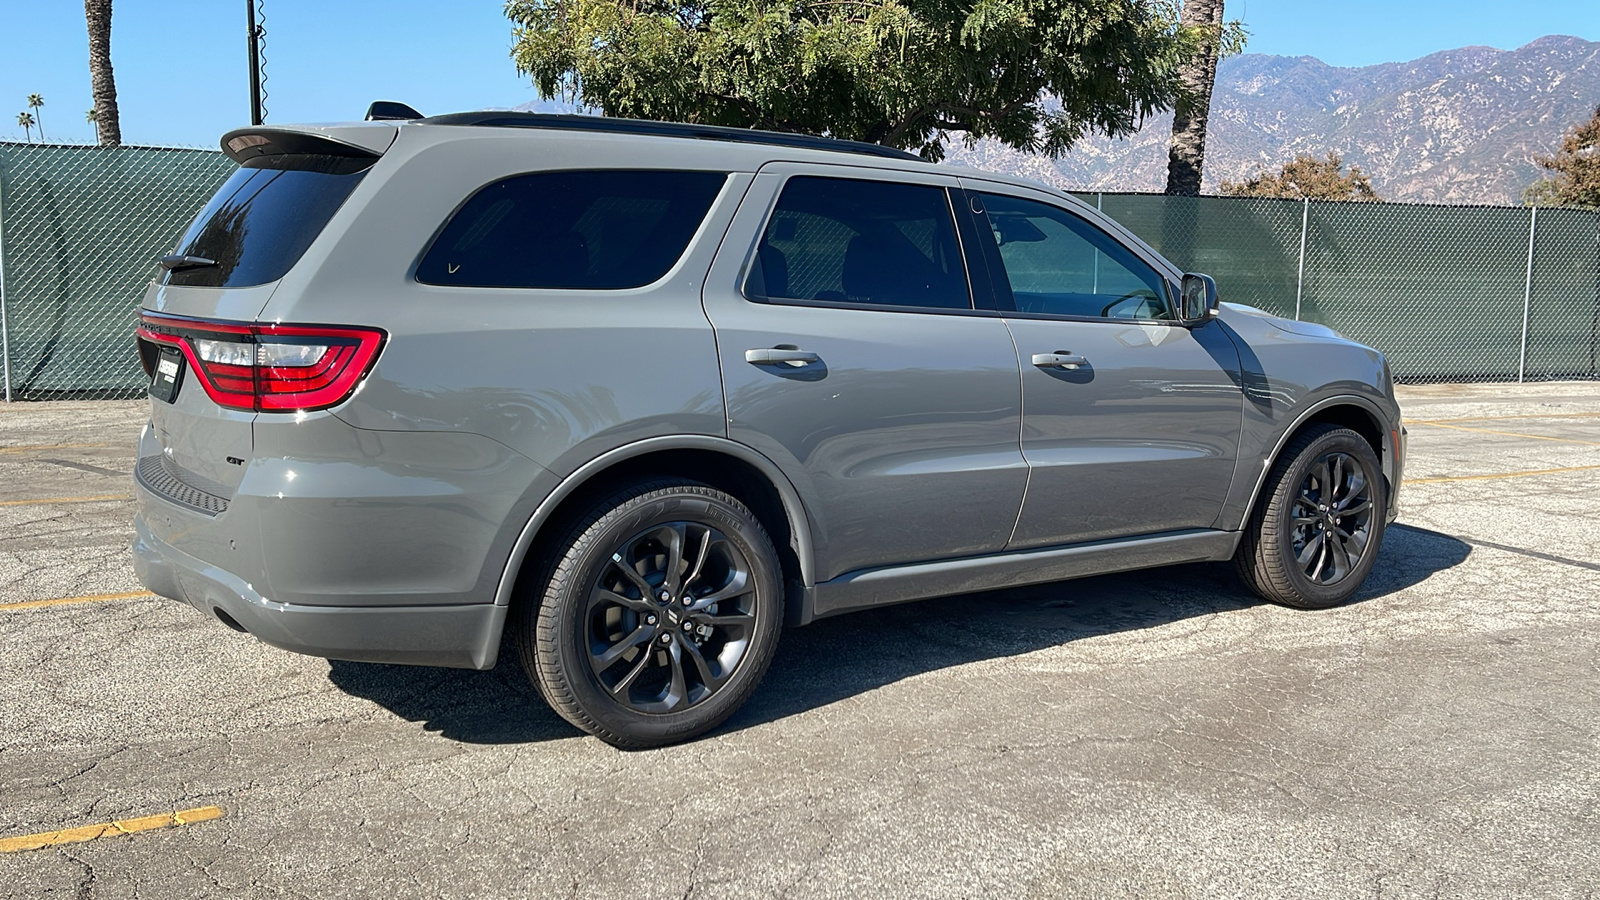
{"points": [[885, 175], [989, 256], [414, 277]]}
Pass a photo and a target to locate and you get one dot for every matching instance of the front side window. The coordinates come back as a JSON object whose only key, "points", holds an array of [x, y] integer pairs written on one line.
{"points": [[1058, 264], [837, 240], [595, 230]]}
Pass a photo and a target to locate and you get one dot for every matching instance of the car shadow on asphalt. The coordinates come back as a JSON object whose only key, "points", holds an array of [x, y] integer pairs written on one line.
{"points": [[838, 658]]}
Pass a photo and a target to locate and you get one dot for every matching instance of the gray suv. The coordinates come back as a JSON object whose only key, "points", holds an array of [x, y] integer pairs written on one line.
{"points": [[645, 393]]}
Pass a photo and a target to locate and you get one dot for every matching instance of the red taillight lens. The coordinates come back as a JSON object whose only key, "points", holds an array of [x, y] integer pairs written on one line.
{"points": [[270, 367]]}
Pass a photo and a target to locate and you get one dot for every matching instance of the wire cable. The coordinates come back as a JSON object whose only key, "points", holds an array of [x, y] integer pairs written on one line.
{"points": [[261, 52]]}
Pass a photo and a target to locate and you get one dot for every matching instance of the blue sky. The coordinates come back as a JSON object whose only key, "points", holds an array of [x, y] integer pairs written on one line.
{"points": [[180, 64]]}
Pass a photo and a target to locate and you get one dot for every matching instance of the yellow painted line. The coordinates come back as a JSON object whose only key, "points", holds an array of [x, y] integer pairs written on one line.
{"points": [[1498, 475], [29, 448], [1515, 434], [46, 501], [109, 829], [1590, 415], [63, 601]]}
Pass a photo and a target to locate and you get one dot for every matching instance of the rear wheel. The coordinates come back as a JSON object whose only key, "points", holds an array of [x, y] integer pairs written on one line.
{"points": [[1317, 526], [659, 617]]}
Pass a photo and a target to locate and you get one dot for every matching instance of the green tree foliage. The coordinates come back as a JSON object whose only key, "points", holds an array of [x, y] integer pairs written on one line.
{"points": [[1034, 74], [1305, 176], [25, 119], [1577, 170]]}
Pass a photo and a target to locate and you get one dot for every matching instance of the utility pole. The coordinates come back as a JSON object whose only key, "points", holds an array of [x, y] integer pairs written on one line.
{"points": [[254, 40]]}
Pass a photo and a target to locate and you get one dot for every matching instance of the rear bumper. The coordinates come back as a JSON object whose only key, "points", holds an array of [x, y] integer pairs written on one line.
{"points": [[463, 636]]}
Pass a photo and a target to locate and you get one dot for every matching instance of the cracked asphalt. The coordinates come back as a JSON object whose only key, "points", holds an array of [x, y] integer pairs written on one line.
{"points": [[1159, 734]]}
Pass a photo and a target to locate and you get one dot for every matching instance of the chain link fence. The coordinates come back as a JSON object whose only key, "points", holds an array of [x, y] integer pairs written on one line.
{"points": [[80, 230], [1447, 293]]}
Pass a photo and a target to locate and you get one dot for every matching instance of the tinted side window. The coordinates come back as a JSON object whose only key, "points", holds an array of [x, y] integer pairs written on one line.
{"points": [[851, 241], [1059, 264], [601, 230], [264, 217]]}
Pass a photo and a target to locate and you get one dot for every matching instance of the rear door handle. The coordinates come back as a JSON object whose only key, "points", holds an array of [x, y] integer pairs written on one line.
{"points": [[1059, 360], [767, 357]]}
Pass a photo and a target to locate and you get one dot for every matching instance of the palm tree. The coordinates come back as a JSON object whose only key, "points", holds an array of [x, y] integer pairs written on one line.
{"points": [[36, 101], [97, 13], [26, 121], [1198, 74], [93, 118]]}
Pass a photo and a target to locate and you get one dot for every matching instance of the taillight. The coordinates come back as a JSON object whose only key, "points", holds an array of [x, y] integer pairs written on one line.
{"points": [[270, 366]]}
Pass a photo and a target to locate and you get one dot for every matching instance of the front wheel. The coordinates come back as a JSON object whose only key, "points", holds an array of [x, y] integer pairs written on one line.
{"points": [[659, 616], [1318, 523]]}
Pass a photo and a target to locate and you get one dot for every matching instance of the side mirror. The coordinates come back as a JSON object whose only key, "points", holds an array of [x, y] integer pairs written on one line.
{"points": [[1198, 299]]}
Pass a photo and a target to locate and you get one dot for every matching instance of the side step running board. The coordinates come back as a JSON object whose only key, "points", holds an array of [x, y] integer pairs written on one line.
{"points": [[898, 584]]}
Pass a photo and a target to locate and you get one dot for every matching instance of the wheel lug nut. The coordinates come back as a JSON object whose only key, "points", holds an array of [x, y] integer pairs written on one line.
{"points": [[664, 596], [649, 620], [666, 639], [688, 626]]}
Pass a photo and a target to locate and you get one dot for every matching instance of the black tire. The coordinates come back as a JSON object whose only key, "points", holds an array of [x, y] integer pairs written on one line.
{"points": [[1317, 526], [630, 666]]}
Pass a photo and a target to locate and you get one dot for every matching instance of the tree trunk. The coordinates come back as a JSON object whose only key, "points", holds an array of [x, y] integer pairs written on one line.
{"points": [[107, 123], [1199, 75]]}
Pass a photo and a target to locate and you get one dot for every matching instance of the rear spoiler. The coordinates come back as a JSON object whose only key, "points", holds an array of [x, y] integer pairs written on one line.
{"points": [[365, 140]]}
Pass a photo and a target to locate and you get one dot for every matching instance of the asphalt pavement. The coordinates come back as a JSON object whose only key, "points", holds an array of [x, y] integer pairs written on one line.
{"points": [[1157, 734]]}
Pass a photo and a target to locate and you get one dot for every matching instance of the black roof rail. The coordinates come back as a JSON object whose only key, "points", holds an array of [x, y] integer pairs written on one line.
{"points": [[608, 125]]}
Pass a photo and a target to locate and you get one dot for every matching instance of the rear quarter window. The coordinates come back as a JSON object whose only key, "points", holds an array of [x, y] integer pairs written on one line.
{"points": [[585, 230], [265, 216]]}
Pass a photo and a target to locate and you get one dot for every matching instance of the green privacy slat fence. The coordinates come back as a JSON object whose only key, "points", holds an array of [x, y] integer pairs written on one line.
{"points": [[1251, 246], [1564, 312], [1448, 293], [80, 230]]}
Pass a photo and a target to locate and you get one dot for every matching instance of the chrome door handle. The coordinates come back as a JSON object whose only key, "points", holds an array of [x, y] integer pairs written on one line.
{"points": [[1059, 360], [766, 357]]}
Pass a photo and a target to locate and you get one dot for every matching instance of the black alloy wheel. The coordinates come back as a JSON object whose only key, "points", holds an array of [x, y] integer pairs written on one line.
{"points": [[670, 617], [1332, 518], [659, 614], [1318, 523]]}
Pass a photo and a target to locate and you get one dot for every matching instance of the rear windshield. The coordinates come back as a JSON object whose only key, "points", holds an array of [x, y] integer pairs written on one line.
{"points": [[264, 218], [602, 230]]}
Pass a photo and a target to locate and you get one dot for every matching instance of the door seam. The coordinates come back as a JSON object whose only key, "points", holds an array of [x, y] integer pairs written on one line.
{"points": [[705, 282], [1022, 418]]}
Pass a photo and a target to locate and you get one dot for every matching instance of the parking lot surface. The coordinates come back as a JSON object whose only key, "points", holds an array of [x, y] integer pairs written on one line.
{"points": [[1158, 734]]}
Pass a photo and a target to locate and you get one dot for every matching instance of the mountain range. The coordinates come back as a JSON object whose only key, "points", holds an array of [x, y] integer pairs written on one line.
{"points": [[1461, 127]]}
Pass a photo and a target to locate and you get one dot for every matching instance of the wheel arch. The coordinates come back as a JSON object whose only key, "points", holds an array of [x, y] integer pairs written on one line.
{"points": [[1357, 413], [723, 464]]}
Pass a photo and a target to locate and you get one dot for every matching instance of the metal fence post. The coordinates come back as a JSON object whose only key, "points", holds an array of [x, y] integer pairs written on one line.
{"points": [[1300, 279], [1527, 294], [5, 329]]}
